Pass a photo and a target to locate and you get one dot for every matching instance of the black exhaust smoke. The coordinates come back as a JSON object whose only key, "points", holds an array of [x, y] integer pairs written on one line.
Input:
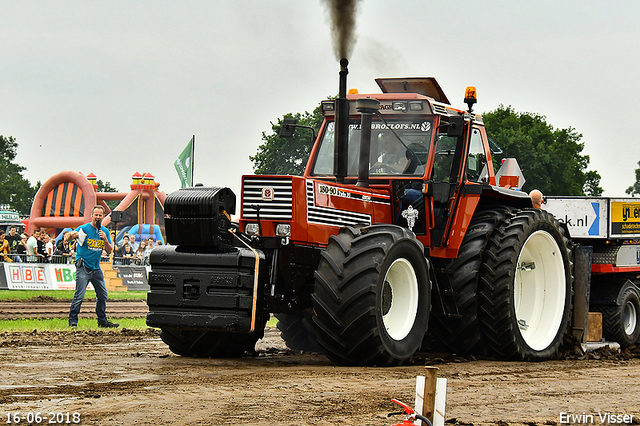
{"points": [[343, 23]]}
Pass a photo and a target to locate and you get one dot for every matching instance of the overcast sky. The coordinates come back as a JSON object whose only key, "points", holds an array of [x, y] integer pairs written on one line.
{"points": [[114, 87]]}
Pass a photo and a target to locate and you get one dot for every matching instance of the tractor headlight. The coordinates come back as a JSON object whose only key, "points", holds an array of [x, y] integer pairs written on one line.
{"points": [[415, 106], [328, 105], [283, 230], [252, 229]]}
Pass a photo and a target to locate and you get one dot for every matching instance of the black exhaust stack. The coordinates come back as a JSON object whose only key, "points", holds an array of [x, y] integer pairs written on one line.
{"points": [[341, 135], [367, 107]]}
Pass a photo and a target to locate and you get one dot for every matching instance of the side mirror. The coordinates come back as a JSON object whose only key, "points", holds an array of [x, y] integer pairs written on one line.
{"points": [[455, 127], [495, 149], [287, 128]]}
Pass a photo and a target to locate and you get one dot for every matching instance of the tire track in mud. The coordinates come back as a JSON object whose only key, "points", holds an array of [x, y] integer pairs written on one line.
{"points": [[16, 394]]}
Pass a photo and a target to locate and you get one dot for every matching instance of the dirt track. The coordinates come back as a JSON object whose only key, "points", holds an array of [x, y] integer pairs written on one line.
{"points": [[130, 377]]}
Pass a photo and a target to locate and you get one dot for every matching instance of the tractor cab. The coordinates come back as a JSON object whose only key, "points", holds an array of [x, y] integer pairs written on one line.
{"points": [[421, 153]]}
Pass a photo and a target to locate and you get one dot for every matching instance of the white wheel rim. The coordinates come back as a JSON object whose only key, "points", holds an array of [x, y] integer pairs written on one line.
{"points": [[399, 299], [539, 290], [629, 318]]}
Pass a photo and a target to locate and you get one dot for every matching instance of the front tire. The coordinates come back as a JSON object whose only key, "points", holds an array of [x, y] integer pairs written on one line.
{"points": [[372, 296], [295, 331], [525, 301]]}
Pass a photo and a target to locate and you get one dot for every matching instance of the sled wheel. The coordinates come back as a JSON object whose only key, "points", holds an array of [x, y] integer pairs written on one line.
{"points": [[372, 296], [295, 331], [462, 335], [621, 323], [526, 282], [210, 344]]}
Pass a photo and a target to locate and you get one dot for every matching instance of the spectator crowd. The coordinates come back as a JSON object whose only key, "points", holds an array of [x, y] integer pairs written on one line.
{"points": [[128, 252], [40, 247]]}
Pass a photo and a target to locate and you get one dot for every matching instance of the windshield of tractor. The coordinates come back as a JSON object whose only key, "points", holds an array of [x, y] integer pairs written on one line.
{"points": [[397, 148]]}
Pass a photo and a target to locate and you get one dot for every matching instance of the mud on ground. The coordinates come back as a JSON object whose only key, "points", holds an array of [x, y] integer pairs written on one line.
{"points": [[128, 377]]}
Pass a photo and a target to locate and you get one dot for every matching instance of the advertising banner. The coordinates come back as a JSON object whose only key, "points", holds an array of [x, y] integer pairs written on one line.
{"points": [[3, 280], [27, 276], [40, 276], [585, 217], [133, 277], [625, 218], [64, 277]]}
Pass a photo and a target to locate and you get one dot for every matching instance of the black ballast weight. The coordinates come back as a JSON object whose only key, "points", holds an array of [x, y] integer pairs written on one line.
{"points": [[199, 216], [206, 290]]}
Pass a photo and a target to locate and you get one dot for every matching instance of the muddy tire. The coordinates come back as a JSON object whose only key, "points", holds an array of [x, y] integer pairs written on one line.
{"points": [[295, 330], [621, 323], [372, 296], [462, 335], [210, 344], [526, 287]]}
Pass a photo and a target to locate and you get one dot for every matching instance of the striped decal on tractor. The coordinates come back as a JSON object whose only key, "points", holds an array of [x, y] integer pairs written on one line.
{"points": [[332, 217]]}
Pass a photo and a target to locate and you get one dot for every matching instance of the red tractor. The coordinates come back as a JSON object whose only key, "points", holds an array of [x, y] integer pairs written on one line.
{"points": [[396, 238]]}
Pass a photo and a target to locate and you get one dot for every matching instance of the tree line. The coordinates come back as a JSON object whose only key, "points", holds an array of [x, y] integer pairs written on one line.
{"points": [[15, 191]]}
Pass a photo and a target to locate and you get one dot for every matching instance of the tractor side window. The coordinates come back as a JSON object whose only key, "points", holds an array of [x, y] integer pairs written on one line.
{"points": [[445, 152], [323, 165], [324, 159], [476, 160]]}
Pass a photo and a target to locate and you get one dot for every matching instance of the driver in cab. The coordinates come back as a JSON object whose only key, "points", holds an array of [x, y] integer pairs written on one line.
{"points": [[393, 155]]}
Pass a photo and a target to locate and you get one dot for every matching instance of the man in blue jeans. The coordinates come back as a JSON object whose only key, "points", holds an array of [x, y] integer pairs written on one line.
{"points": [[91, 238]]}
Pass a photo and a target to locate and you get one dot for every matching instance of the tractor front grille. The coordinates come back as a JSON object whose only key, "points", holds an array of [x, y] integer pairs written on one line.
{"points": [[271, 195]]}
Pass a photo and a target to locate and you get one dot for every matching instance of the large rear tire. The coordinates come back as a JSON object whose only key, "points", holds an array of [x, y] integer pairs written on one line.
{"points": [[621, 323], [372, 296], [525, 301], [295, 330], [462, 335], [210, 344]]}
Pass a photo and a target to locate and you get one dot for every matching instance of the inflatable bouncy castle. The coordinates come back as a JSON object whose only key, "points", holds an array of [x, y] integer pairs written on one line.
{"points": [[66, 200]]}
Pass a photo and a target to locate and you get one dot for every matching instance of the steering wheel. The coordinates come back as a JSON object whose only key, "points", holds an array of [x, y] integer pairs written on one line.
{"points": [[382, 169]]}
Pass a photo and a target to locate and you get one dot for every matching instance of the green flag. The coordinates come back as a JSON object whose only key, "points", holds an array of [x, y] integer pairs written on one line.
{"points": [[184, 164]]}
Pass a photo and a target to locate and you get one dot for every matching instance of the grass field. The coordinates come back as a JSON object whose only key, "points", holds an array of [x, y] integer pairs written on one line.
{"points": [[59, 324], [15, 295]]}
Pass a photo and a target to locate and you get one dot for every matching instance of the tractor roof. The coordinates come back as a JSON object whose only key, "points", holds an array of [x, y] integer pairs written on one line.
{"points": [[427, 86]]}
